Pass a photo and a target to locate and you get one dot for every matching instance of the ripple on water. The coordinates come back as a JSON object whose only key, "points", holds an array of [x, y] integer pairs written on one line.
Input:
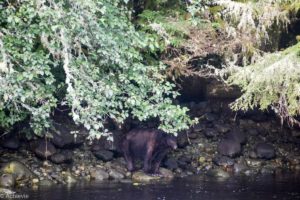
{"points": [[281, 186]]}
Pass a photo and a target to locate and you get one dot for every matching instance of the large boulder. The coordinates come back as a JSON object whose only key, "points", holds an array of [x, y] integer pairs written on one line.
{"points": [[171, 163], [46, 182], [211, 133], [44, 149], [104, 155], [69, 178], [62, 137], [18, 170], [199, 127], [210, 117], [112, 146], [240, 167], [115, 174], [142, 177], [62, 157], [118, 164], [12, 143], [165, 173], [184, 161], [221, 128], [223, 161], [265, 151], [98, 174], [236, 135], [7, 180], [65, 133], [229, 147], [218, 173]]}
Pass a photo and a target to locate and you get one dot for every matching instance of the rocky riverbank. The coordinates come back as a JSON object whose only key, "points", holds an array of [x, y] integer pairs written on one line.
{"points": [[221, 144]]}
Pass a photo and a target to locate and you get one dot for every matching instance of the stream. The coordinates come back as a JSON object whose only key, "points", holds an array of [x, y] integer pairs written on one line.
{"points": [[270, 186]]}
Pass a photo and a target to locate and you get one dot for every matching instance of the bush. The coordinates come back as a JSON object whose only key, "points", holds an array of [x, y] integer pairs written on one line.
{"points": [[273, 82], [84, 54]]}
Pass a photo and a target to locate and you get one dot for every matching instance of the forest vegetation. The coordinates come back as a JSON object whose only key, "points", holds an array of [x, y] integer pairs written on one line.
{"points": [[118, 59]]}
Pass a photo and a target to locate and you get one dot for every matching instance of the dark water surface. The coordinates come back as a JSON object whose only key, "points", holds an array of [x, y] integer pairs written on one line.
{"points": [[283, 186]]}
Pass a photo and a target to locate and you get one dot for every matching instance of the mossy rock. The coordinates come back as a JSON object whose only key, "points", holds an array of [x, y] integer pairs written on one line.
{"points": [[69, 178], [18, 170], [46, 183], [218, 173], [7, 180], [143, 178], [166, 173]]}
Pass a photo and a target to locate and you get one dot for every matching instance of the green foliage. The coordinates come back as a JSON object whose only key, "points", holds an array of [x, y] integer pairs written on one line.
{"points": [[164, 27], [274, 82], [271, 81], [83, 53], [198, 6], [252, 23]]}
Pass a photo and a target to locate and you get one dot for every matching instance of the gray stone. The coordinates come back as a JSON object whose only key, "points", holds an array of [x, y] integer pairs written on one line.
{"points": [[46, 182], [62, 132], [171, 163], [142, 177], [186, 158], [18, 170], [62, 157], [183, 161], [192, 105], [165, 173], [253, 132], [236, 135], [218, 173], [44, 149], [193, 136], [65, 140], [104, 144], [7, 180], [104, 155], [254, 162], [210, 133], [222, 128], [98, 174], [240, 167], [229, 147], [199, 127], [252, 154], [69, 178], [223, 161], [296, 133], [182, 164], [265, 151], [58, 177], [113, 173], [11, 143], [211, 117]]}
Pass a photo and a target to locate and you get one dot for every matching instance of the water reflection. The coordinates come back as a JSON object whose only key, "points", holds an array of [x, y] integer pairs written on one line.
{"points": [[279, 186]]}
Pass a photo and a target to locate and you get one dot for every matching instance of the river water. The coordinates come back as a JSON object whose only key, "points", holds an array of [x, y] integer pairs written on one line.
{"points": [[264, 187]]}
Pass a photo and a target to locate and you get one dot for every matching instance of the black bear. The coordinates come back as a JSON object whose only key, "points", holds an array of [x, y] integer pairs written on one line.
{"points": [[149, 145]]}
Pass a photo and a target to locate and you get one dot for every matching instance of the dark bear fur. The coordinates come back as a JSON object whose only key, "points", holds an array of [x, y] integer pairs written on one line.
{"points": [[148, 145]]}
